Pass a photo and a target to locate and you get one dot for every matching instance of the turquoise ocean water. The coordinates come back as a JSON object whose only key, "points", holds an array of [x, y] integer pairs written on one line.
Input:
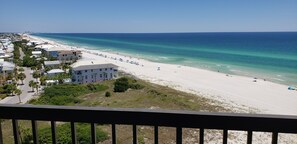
{"points": [[268, 55]]}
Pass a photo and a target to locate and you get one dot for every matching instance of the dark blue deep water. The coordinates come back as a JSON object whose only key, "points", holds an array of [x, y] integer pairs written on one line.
{"points": [[269, 55]]}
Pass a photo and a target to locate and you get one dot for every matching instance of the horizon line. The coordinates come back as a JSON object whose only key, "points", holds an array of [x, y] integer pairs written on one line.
{"points": [[153, 32]]}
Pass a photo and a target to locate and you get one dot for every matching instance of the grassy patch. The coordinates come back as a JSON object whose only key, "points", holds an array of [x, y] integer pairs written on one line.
{"points": [[150, 96], [66, 94], [64, 134]]}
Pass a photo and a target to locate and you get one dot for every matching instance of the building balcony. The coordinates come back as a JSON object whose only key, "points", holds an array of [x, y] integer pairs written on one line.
{"points": [[135, 117]]}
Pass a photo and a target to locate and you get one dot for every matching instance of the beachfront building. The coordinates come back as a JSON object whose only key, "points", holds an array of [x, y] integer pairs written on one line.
{"points": [[93, 71], [52, 64], [54, 53], [54, 72], [69, 56]]}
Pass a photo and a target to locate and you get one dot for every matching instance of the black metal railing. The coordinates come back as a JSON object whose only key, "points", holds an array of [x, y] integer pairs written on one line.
{"points": [[156, 118]]}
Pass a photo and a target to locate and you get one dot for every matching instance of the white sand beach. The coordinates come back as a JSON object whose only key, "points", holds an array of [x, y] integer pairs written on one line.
{"points": [[234, 91]]}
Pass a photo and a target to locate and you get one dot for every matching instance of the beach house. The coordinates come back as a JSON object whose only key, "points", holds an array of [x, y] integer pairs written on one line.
{"points": [[3, 54], [36, 53], [93, 71], [69, 56], [54, 72], [52, 64], [6, 67]]}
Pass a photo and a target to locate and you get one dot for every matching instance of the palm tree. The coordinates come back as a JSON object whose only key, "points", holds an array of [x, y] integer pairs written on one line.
{"points": [[2, 79], [9, 88], [21, 70], [36, 75], [42, 80], [36, 85], [21, 76], [31, 84], [33, 68], [9, 76], [18, 92], [15, 71], [39, 66]]}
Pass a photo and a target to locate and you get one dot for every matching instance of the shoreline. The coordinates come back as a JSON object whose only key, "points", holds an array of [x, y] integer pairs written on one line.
{"points": [[232, 90], [266, 72]]}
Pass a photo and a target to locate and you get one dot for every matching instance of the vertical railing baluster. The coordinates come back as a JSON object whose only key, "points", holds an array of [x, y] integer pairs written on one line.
{"points": [[225, 136], [179, 133], [93, 132], [134, 134], [34, 132], [249, 137], [156, 129], [274, 137], [73, 133], [201, 136], [16, 134], [1, 135], [113, 135], [54, 134]]}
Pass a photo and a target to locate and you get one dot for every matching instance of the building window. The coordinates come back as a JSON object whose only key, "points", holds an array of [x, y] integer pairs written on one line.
{"points": [[110, 75], [91, 70], [110, 68], [92, 76], [100, 69], [86, 77], [105, 69], [100, 75], [86, 70]]}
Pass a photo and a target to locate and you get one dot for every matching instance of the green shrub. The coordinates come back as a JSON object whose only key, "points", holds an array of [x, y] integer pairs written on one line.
{"points": [[136, 86], [107, 94], [29, 62], [64, 134], [134, 81], [121, 85], [66, 94], [91, 86]]}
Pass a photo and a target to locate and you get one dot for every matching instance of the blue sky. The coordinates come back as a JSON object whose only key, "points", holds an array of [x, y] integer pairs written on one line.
{"points": [[105, 16]]}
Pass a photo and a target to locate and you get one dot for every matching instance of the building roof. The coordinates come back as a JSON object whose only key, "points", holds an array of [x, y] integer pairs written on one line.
{"points": [[36, 52], [55, 71], [51, 63], [52, 49], [7, 65], [85, 65], [7, 68], [69, 51]]}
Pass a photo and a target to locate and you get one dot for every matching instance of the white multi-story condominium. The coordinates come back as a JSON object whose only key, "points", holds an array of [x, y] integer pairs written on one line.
{"points": [[93, 71], [68, 56]]}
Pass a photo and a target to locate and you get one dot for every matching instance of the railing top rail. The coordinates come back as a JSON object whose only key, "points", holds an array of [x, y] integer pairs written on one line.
{"points": [[171, 118]]}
